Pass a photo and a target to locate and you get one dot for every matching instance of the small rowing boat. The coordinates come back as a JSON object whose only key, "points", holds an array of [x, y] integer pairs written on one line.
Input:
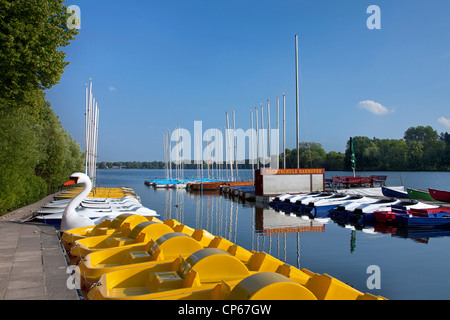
{"points": [[439, 219], [390, 192], [419, 194], [440, 195]]}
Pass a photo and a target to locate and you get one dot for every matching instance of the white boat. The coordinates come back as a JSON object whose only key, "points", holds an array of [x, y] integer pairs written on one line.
{"points": [[95, 206], [62, 203], [299, 202], [379, 205], [72, 217], [289, 195], [325, 204], [279, 200], [297, 197], [353, 204], [335, 198], [386, 206], [293, 204]]}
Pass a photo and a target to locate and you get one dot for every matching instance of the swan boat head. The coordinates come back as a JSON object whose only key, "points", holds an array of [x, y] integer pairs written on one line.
{"points": [[71, 219]]}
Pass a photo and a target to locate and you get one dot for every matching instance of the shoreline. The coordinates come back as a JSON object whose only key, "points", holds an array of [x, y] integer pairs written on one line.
{"points": [[28, 212]]}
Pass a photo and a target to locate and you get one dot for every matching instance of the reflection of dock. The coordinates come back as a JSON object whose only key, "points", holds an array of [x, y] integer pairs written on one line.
{"points": [[268, 222]]}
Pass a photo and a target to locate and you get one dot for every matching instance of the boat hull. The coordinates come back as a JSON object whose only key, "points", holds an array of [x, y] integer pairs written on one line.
{"points": [[419, 194], [433, 220], [440, 195], [388, 192]]}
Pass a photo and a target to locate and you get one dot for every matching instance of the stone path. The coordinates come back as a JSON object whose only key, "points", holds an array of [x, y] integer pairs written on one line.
{"points": [[33, 264]]}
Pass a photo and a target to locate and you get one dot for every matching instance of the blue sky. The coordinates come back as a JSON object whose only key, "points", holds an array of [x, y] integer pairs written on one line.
{"points": [[157, 65]]}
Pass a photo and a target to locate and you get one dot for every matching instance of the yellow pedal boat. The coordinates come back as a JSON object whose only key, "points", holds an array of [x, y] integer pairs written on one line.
{"points": [[276, 286], [139, 236], [98, 192], [214, 274], [202, 270], [119, 226], [165, 249], [258, 286]]}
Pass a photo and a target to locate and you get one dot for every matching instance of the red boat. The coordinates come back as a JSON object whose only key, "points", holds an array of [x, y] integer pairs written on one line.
{"points": [[389, 216], [425, 212], [440, 195]]}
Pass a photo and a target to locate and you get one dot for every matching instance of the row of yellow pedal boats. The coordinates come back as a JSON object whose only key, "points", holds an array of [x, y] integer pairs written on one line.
{"points": [[98, 192], [136, 257]]}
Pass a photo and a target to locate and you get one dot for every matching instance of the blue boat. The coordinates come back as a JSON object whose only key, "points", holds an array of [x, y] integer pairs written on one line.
{"points": [[389, 192], [440, 219]]}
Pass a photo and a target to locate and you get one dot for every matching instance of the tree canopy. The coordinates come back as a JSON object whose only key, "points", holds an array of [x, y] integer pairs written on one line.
{"points": [[31, 33], [36, 153], [422, 148]]}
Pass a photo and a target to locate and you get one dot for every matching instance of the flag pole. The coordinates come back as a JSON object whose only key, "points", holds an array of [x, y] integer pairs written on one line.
{"points": [[353, 158]]}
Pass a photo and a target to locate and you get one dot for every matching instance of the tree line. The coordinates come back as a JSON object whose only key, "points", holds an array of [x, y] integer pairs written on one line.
{"points": [[421, 149], [36, 154]]}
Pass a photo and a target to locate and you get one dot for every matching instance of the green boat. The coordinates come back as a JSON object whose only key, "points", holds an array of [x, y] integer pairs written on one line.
{"points": [[419, 194]]}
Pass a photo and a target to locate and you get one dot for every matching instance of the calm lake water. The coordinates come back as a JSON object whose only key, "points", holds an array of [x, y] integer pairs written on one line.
{"points": [[413, 265]]}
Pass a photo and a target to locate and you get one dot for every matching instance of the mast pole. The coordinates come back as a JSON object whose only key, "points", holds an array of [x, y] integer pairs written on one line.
{"points": [[268, 134], [263, 140], [296, 102], [284, 131]]}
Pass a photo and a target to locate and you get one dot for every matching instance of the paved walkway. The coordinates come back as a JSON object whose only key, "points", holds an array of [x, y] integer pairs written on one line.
{"points": [[33, 264]]}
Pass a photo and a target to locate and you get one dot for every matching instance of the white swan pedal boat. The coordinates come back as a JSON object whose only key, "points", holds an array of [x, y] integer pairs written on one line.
{"points": [[76, 216]]}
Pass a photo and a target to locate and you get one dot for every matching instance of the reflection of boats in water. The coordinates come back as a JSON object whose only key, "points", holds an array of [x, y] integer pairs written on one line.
{"points": [[422, 234]]}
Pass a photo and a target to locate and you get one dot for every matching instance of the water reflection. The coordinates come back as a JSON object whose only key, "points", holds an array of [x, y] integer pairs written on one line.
{"points": [[417, 234], [254, 226], [333, 250]]}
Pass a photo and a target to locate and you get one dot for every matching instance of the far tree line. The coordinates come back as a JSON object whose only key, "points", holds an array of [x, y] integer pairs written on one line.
{"points": [[421, 149]]}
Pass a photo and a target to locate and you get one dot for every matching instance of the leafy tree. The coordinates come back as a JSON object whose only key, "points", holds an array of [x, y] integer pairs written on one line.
{"points": [[445, 138], [334, 161], [360, 145], [36, 153], [414, 150], [392, 154], [31, 32], [421, 134], [312, 155], [19, 154], [434, 155]]}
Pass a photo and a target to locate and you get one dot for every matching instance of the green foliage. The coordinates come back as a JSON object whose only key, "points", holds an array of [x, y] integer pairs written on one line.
{"points": [[36, 153], [421, 149], [61, 154], [312, 155], [421, 134], [31, 31], [334, 161], [18, 156]]}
